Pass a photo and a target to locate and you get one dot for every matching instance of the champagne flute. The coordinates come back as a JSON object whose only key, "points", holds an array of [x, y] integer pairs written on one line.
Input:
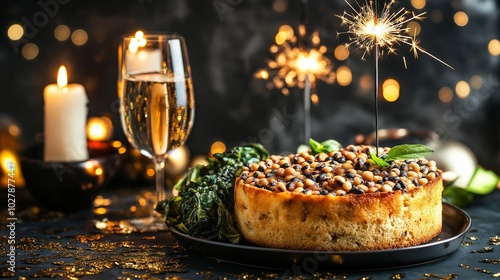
{"points": [[156, 97]]}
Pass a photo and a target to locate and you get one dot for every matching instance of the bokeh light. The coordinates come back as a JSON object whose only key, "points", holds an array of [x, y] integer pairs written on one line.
{"points": [[390, 82], [99, 128], [445, 94], [150, 172], [315, 99], [280, 38], [62, 33], [280, 5], [476, 82], [461, 18], [341, 52], [494, 47], [366, 83], [30, 51], [15, 32], [462, 89], [344, 76], [390, 93], [418, 4], [414, 28], [217, 147], [14, 130], [79, 37], [288, 31], [390, 90]]}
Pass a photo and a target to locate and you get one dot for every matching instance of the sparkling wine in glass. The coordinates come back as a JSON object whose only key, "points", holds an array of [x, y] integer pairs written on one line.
{"points": [[156, 97]]}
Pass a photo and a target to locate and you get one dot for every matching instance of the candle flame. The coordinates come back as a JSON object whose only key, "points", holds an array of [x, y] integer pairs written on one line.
{"points": [[62, 77]]}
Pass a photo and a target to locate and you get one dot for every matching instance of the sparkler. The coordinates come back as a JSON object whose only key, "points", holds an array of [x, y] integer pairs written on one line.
{"points": [[292, 63], [296, 65], [381, 33]]}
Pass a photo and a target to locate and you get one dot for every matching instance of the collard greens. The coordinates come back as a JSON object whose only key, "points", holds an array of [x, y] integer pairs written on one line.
{"points": [[204, 206]]}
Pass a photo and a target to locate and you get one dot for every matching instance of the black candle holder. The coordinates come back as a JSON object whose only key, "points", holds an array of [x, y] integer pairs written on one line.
{"points": [[69, 186]]}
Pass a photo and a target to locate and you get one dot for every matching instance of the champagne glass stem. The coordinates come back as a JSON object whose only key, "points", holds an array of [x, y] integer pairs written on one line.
{"points": [[161, 194]]}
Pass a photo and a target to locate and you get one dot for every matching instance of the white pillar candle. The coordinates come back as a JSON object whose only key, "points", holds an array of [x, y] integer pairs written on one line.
{"points": [[65, 117]]}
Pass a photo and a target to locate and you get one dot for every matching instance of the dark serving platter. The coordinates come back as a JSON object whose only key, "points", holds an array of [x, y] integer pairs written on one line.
{"points": [[456, 223]]}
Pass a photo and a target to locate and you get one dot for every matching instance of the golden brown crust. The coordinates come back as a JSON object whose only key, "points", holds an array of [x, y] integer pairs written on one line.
{"points": [[371, 221]]}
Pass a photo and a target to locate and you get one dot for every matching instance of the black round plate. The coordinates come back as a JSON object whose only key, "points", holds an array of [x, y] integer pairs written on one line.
{"points": [[456, 223]]}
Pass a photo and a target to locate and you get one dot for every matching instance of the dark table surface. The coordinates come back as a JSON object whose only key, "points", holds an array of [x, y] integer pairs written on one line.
{"points": [[51, 244]]}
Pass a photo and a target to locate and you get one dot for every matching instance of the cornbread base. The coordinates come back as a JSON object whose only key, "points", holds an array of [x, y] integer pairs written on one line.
{"points": [[371, 221]]}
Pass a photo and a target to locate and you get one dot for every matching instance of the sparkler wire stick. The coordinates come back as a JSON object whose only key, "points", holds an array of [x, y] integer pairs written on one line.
{"points": [[376, 81], [307, 110], [376, 91], [307, 85]]}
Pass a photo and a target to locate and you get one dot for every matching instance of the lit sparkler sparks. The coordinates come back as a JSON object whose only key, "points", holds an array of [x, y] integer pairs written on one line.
{"points": [[293, 64], [300, 64], [370, 30], [384, 31]]}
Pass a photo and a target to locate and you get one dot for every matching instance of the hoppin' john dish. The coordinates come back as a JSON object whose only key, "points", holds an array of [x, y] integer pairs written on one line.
{"points": [[339, 201]]}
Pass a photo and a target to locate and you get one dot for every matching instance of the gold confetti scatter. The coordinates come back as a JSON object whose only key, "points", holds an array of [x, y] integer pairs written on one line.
{"points": [[327, 275], [7, 274], [486, 249], [483, 270], [398, 276], [241, 275], [205, 273], [271, 276], [473, 238], [149, 237], [98, 256], [496, 275], [495, 261], [87, 239], [128, 244], [467, 243], [463, 265], [495, 240], [432, 275]]}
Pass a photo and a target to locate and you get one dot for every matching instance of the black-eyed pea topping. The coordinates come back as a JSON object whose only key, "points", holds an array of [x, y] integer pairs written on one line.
{"points": [[344, 172]]}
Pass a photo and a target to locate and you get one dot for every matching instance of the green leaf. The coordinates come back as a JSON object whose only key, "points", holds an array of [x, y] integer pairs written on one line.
{"points": [[331, 145], [315, 146], [204, 206], [457, 196], [376, 160], [302, 148], [483, 181], [408, 151], [323, 147]]}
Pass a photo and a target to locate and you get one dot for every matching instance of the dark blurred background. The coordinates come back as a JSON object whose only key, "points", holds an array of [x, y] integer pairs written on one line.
{"points": [[229, 41]]}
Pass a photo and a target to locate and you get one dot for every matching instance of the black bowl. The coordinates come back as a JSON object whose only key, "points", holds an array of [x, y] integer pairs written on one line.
{"points": [[68, 186]]}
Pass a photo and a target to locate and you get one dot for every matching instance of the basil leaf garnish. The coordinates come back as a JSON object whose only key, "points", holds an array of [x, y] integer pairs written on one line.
{"points": [[323, 147], [401, 152]]}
